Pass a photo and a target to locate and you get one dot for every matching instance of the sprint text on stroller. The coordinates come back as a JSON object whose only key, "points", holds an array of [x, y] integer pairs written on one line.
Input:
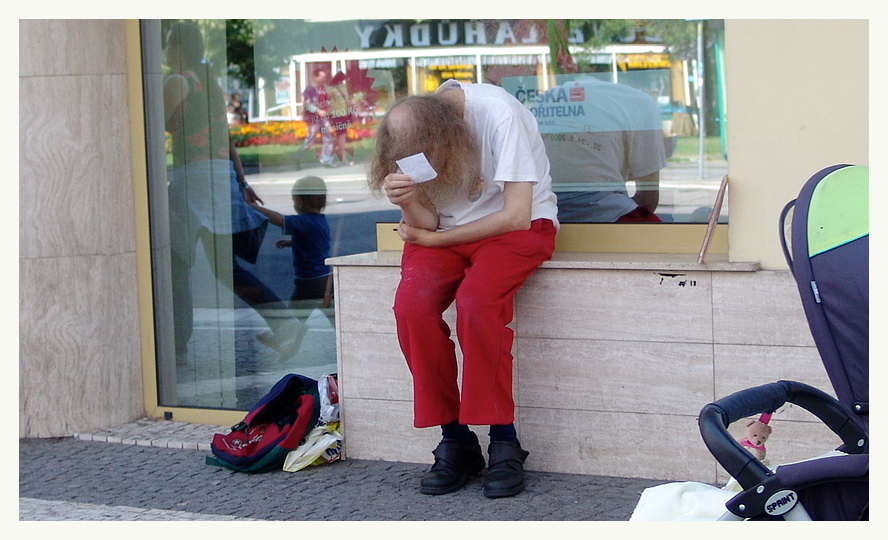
{"points": [[781, 502]]}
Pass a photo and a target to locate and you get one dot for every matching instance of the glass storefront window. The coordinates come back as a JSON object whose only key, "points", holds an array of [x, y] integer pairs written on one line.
{"points": [[289, 107]]}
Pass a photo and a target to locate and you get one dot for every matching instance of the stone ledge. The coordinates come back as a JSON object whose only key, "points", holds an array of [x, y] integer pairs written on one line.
{"points": [[586, 261]]}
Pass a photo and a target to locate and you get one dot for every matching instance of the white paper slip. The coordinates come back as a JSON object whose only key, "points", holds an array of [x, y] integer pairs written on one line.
{"points": [[417, 167]]}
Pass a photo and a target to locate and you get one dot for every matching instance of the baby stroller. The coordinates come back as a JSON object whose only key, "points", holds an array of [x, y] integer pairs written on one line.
{"points": [[828, 254]]}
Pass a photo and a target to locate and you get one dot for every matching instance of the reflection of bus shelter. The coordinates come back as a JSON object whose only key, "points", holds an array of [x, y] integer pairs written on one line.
{"points": [[417, 60]]}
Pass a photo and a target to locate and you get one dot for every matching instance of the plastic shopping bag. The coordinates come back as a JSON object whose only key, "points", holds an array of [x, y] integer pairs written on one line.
{"points": [[322, 445], [328, 392]]}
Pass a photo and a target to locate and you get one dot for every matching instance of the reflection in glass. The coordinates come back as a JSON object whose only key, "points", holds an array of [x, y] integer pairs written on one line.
{"points": [[612, 148], [600, 135], [279, 100], [233, 335]]}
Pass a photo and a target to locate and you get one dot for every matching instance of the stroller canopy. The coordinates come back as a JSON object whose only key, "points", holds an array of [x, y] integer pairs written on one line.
{"points": [[829, 257]]}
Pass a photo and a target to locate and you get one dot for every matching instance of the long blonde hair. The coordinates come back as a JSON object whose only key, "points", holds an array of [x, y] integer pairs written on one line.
{"points": [[431, 125]]}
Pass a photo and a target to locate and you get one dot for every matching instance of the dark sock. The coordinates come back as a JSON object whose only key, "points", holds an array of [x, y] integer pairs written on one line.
{"points": [[455, 430], [504, 432]]}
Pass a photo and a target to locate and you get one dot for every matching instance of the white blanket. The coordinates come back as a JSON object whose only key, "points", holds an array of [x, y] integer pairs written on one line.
{"points": [[688, 501], [682, 501]]}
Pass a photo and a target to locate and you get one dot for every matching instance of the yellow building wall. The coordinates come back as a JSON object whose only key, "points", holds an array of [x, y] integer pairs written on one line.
{"points": [[797, 101]]}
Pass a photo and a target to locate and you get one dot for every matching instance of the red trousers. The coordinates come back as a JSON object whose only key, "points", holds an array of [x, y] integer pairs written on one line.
{"points": [[482, 278]]}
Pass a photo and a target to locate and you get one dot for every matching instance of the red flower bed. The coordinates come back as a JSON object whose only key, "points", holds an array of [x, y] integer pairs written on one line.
{"points": [[283, 133]]}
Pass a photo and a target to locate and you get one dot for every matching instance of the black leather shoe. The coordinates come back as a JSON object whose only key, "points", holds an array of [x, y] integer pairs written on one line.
{"points": [[505, 469], [455, 462]]}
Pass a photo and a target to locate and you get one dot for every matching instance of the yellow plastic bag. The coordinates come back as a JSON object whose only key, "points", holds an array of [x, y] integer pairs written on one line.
{"points": [[322, 445]]}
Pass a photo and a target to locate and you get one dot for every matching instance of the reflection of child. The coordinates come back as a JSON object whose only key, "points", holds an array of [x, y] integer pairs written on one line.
{"points": [[309, 237]]}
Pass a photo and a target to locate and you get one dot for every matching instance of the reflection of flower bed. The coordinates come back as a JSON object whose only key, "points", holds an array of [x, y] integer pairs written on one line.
{"points": [[284, 133]]}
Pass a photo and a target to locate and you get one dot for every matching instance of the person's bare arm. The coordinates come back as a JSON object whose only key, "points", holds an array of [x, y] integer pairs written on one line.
{"points": [[274, 217], [647, 191], [514, 216], [401, 191], [247, 192], [175, 88]]}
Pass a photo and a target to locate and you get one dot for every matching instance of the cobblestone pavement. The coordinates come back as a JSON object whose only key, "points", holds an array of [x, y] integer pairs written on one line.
{"points": [[155, 471]]}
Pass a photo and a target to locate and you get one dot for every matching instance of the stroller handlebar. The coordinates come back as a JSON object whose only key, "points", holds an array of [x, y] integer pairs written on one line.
{"points": [[742, 465]]}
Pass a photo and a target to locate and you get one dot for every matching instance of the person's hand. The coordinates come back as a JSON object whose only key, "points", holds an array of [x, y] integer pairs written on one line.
{"points": [[399, 188], [416, 236], [283, 243], [250, 196], [418, 212]]}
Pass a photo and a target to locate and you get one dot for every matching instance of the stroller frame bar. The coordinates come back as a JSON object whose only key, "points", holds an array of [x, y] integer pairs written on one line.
{"points": [[741, 464]]}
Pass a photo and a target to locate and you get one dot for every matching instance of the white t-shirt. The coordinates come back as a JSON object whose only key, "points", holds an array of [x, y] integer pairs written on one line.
{"points": [[511, 151]]}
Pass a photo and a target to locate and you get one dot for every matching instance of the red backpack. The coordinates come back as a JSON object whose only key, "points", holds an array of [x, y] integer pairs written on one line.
{"points": [[273, 427]]}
